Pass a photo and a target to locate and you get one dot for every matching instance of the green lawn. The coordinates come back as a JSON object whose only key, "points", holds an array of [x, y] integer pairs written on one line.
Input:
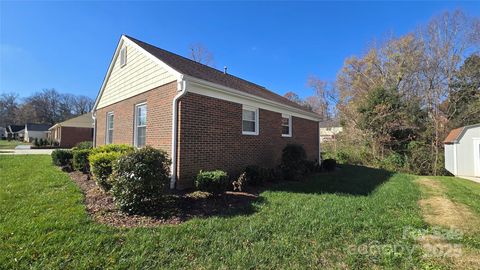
{"points": [[313, 224], [4, 144]]}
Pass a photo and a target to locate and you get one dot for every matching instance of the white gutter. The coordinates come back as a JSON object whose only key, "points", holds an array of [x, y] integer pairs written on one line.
{"points": [[94, 117], [181, 87]]}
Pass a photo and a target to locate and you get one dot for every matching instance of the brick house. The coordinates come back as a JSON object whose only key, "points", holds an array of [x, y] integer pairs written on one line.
{"points": [[212, 120], [72, 131]]}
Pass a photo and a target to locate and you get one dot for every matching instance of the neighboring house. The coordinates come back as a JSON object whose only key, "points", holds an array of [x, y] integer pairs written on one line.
{"points": [[72, 131], [205, 119], [12, 131], [328, 130], [35, 131], [462, 151]]}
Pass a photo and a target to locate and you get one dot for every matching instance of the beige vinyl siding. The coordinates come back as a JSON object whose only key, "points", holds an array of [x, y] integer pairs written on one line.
{"points": [[140, 74]]}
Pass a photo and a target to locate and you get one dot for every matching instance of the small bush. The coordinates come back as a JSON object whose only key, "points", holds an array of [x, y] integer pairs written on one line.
{"points": [[84, 145], [140, 178], [310, 166], [212, 181], [80, 160], [267, 174], [35, 142], [329, 164], [101, 167], [257, 176], [393, 162], [293, 162], [62, 157], [122, 148], [252, 174]]}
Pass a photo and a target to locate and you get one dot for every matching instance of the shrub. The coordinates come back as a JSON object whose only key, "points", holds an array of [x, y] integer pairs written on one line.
{"points": [[35, 142], [329, 164], [80, 160], [140, 178], [393, 162], [62, 157], [267, 174], [122, 148], [310, 166], [84, 145], [293, 162], [252, 174], [101, 167], [101, 162], [212, 181]]}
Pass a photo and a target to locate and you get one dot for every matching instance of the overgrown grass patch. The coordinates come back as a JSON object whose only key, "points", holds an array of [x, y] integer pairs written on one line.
{"points": [[311, 224]]}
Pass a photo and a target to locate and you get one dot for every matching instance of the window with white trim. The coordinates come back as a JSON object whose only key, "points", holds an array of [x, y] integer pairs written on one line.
{"points": [[123, 56], [249, 120], [109, 135], [140, 125], [286, 125]]}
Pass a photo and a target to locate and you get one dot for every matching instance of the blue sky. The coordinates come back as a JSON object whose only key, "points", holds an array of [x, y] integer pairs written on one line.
{"points": [[68, 45]]}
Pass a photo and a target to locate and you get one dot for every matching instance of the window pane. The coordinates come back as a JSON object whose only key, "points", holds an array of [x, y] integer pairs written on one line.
{"points": [[285, 130], [141, 134], [248, 115], [142, 115], [110, 136], [110, 121], [249, 126], [285, 121]]}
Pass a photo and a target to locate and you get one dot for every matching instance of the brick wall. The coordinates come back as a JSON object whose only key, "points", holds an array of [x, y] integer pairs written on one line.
{"points": [[211, 138], [70, 136], [159, 118]]}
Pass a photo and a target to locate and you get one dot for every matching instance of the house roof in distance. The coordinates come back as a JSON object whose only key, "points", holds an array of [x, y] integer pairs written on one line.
{"points": [[81, 121], [37, 127], [329, 123], [15, 128], [200, 71], [455, 135]]}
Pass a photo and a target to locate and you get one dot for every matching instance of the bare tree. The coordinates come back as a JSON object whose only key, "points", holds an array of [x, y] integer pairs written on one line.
{"points": [[199, 53], [324, 97], [82, 105], [8, 108]]}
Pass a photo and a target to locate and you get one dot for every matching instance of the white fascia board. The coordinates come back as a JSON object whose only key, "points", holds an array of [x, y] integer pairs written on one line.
{"points": [[109, 71], [124, 39], [209, 89]]}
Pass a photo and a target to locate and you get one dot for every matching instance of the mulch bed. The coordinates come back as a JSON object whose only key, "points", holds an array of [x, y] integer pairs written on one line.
{"points": [[177, 208]]}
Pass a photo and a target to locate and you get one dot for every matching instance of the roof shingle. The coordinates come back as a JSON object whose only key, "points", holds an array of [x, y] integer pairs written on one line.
{"points": [[203, 72]]}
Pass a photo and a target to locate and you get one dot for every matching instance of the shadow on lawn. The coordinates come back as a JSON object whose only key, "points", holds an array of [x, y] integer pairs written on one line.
{"points": [[348, 179], [200, 204]]}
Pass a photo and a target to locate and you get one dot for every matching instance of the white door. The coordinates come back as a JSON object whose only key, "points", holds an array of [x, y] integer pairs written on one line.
{"points": [[476, 156]]}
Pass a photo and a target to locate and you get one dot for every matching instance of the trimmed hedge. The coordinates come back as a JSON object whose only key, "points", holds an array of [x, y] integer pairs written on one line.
{"points": [[62, 157], [257, 176], [84, 145], [329, 164], [141, 178], [294, 162], [122, 148], [80, 160], [101, 162], [212, 181], [101, 167]]}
